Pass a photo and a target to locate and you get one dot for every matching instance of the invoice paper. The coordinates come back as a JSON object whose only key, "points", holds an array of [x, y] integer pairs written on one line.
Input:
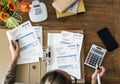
{"points": [[65, 52], [29, 44]]}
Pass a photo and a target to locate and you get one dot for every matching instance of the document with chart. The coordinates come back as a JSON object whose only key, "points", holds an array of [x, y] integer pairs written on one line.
{"points": [[30, 47], [65, 52]]}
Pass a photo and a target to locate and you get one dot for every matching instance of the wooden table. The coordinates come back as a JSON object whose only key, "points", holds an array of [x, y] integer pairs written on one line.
{"points": [[99, 14]]}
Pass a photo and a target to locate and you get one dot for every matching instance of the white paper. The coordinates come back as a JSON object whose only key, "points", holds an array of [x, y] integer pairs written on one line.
{"points": [[65, 53], [67, 60], [53, 40], [29, 44], [67, 37], [38, 31], [79, 41], [74, 7]]}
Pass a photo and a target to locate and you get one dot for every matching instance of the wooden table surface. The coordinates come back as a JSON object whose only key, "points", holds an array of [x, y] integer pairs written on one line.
{"points": [[99, 14]]}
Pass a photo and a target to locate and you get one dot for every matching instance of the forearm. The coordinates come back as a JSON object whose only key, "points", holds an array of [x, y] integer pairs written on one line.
{"points": [[94, 81], [9, 77], [12, 65]]}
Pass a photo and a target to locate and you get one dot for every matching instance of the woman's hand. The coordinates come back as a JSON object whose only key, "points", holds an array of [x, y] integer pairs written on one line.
{"points": [[15, 49], [10, 73], [101, 71]]}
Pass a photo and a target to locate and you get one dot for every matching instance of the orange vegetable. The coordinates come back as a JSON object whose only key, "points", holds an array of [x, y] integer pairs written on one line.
{"points": [[24, 6]]}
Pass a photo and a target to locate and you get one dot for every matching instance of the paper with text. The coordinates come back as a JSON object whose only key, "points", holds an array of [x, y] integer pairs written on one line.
{"points": [[38, 31], [65, 53], [30, 47]]}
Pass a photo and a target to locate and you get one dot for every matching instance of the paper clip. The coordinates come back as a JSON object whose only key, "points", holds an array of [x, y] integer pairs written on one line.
{"points": [[47, 55]]}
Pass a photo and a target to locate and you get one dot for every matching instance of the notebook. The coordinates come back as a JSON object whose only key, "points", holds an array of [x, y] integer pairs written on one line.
{"points": [[81, 8]]}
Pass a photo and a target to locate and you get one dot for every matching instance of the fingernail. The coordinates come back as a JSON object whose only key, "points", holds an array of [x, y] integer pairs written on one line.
{"points": [[17, 40]]}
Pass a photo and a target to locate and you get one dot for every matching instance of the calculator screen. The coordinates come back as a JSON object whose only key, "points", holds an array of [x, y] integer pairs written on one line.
{"points": [[97, 51]]}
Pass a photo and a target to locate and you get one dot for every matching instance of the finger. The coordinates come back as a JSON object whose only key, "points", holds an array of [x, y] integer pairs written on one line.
{"points": [[12, 44], [102, 71], [94, 75], [17, 46], [102, 68], [96, 71]]}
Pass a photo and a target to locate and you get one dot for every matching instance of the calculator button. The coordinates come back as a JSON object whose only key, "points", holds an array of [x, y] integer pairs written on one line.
{"points": [[87, 61], [93, 59], [94, 65], [90, 54], [90, 63], [100, 58]]}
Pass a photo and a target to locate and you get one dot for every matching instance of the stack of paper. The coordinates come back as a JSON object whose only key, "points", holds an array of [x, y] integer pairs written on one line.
{"points": [[65, 52], [78, 7], [30, 40]]}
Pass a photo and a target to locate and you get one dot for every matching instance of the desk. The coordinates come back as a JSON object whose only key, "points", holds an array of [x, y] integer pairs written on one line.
{"points": [[99, 14]]}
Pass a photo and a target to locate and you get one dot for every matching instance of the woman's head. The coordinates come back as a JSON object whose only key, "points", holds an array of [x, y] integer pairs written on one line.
{"points": [[56, 77]]}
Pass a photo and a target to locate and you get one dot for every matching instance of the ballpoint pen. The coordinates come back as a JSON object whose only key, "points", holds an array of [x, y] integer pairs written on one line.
{"points": [[98, 78], [98, 75]]}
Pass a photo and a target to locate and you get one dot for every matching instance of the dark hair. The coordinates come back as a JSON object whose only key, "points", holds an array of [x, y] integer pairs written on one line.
{"points": [[56, 77]]}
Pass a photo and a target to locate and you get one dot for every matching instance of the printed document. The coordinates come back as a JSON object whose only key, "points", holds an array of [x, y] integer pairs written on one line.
{"points": [[65, 52], [38, 31], [30, 47]]}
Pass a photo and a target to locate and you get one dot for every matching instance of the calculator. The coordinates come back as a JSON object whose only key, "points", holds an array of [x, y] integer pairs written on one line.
{"points": [[95, 56]]}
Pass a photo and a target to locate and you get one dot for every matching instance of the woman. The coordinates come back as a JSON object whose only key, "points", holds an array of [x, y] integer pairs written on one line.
{"points": [[53, 77], [56, 77]]}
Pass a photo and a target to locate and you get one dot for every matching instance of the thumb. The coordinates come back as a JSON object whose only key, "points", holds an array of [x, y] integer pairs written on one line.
{"points": [[95, 73], [17, 46]]}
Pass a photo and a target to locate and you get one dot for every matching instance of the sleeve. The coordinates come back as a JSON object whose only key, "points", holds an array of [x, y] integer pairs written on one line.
{"points": [[9, 77]]}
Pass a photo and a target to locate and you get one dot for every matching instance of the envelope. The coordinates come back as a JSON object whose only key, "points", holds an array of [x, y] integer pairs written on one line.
{"points": [[81, 8]]}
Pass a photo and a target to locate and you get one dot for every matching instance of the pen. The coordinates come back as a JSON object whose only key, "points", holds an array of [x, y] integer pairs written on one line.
{"points": [[98, 75], [98, 78]]}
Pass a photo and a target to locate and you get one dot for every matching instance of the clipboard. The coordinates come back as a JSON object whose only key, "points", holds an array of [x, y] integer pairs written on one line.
{"points": [[33, 72], [43, 65]]}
